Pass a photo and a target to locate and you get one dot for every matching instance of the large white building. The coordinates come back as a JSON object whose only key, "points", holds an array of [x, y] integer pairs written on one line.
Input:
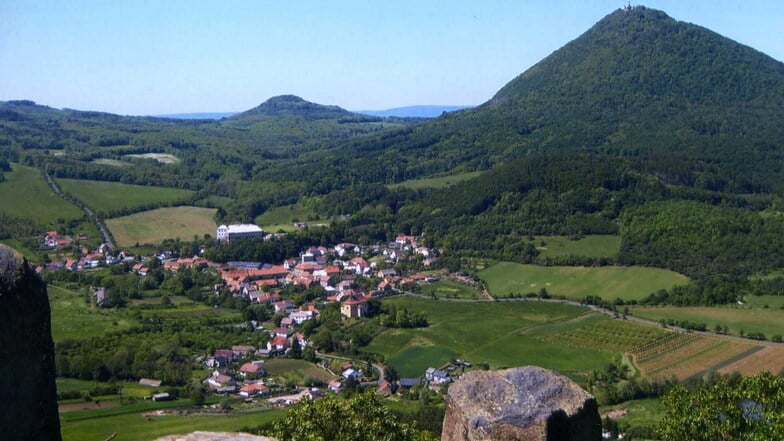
{"points": [[231, 232]]}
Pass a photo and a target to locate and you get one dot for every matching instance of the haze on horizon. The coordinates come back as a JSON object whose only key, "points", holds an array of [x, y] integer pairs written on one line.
{"points": [[151, 58]]}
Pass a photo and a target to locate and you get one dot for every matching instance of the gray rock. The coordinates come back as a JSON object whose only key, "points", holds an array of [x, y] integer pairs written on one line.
{"points": [[215, 436], [528, 403]]}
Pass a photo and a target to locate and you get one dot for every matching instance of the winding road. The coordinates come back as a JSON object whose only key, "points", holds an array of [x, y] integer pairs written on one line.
{"points": [[107, 240]]}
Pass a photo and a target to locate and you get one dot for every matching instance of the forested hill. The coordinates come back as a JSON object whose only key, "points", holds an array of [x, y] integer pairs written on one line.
{"points": [[294, 106], [638, 83]]}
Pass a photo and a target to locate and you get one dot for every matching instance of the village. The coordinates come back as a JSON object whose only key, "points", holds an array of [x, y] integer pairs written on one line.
{"points": [[342, 273]]}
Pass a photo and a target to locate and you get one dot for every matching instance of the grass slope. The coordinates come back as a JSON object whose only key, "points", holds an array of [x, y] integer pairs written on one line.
{"points": [[609, 283], [163, 223], [766, 321], [595, 246], [137, 427], [113, 196], [25, 194], [73, 318], [439, 182], [500, 333], [282, 218]]}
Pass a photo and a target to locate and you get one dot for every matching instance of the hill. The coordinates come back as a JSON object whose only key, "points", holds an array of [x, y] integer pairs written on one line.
{"points": [[695, 107]]}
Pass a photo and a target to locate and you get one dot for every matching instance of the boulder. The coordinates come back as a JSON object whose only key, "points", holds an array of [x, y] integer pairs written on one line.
{"points": [[522, 404], [28, 404], [215, 436]]}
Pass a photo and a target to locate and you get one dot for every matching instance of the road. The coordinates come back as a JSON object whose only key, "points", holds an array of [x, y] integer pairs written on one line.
{"points": [[376, 366], [107, 240]]}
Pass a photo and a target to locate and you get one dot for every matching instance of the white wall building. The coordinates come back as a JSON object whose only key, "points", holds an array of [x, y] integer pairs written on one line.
{"points": [[227, 233]]}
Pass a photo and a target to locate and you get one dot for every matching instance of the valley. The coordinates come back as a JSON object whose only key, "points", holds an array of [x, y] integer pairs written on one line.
{"points": [[614, 213]]}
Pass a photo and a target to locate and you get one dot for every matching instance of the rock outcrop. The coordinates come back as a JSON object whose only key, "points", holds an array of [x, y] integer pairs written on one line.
{"points": [[28, 394], [521, 404], [215, 436]]}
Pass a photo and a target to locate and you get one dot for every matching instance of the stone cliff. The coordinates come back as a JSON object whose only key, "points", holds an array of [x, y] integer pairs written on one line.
{"points": [[28, 394], [520, 404]]}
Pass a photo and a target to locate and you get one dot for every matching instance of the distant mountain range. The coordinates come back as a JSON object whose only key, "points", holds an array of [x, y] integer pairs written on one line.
{"points": [[402, 112]]}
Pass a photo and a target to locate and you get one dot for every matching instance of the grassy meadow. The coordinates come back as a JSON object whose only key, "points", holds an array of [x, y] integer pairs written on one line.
{"points": [[451, 289], [73, 318], [136, 425], [25, 194], [594, 246], [439, 182], [283, 218], [768, 321], [163, 223], [499, 333], [113, 196], [608, 282], [163, 158]]}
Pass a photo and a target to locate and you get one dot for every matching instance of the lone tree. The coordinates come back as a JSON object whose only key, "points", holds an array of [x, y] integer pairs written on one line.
{"points": [[363, 417], [739, 409]]}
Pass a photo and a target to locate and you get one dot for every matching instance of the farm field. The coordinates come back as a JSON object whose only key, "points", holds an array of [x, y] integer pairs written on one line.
{"points": [[112, 196], [73, 318], [767, 321], [499, 333], [594, 246], [439, 182], [686, 355], [608, 282], [647, 412], [293, 369], [451, 289], [770, 358], [283, 218], [25, 194], [135, 426], [608, 335], [163, 223], [772, 301]]}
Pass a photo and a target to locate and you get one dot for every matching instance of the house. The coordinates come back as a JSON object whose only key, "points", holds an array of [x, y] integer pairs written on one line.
{"points": [[253, 389], [350, 373], [278, 344], [232, 232], [283, 306], [299, 317], [253, 368], [287, 321], [385, 273], [162, 397], [437, 376], [150, 382], [314, 393], [408, 383], [354, 307], [242, 351], [335, 386], [385, 388], [221, 382]]}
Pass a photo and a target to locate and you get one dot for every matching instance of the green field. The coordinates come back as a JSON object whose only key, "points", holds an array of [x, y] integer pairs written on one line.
{"points": [[73, 318], [113, 196], [608, 282], [595, 246], [163, 223], [648, 413], [502, 334], [440, 182], [296, 370], [25, 194], [451, 289], [767, 321], [135, 426], [112, 162], [282, 218]]}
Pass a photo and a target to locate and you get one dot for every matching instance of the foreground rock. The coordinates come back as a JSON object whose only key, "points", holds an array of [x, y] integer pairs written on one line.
{"points": [[521, 404], [215, 436], [28, 404]]}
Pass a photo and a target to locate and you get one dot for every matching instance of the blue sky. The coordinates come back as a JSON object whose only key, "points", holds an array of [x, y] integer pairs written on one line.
{"points": [[139, 57]]}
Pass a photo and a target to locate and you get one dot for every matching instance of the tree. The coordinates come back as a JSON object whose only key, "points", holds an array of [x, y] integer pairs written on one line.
{"points": [[750, 408], [332, 419], [296, 349]]}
